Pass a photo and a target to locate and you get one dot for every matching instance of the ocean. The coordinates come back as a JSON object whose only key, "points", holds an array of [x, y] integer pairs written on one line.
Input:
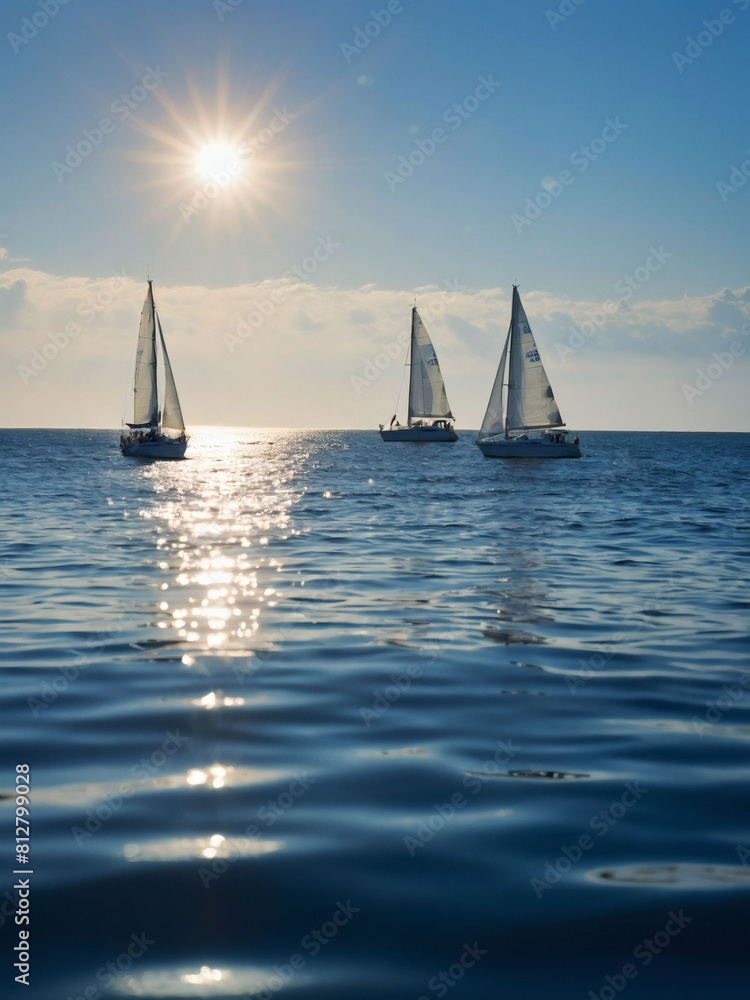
{"points": [[313, 716]]}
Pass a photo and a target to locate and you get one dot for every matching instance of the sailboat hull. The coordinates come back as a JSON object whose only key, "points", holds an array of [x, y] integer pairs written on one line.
{"points": [[418, 434], [161, 448], [528, 449]]}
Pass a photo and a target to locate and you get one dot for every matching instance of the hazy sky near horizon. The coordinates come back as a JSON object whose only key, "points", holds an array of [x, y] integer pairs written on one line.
{"points": [[363, 154]]}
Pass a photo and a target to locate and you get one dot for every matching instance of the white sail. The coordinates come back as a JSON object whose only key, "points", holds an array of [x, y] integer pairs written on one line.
{"points": [[171, 414], [531, 403], [494, 422], [145, 404], [427, 397]]}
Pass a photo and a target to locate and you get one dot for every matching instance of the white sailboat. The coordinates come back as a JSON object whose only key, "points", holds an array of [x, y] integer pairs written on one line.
{"points": [[154, 432], [429, 416], [522, 418]]}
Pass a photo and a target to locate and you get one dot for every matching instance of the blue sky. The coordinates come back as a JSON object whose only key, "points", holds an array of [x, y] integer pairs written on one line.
{"points": [[223, 75]]}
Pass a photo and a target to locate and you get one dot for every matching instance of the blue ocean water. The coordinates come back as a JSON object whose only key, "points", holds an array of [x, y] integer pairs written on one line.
{"points": [[313, 716]]}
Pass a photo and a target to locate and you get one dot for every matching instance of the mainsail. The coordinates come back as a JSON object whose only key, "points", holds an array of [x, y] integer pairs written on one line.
{"points": [[171, 416], [427, 397], [145, 404], [531, 404]]}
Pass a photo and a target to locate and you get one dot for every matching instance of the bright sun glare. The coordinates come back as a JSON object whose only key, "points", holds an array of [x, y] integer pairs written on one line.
{"points": [[216, 157]]}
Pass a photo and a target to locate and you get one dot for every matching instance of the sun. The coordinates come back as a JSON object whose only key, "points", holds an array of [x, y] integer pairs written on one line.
{"points": [[218, 158], [224, 155]]}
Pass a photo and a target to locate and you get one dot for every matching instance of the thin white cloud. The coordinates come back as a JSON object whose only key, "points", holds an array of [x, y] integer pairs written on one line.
{"points": [[11, 260]]}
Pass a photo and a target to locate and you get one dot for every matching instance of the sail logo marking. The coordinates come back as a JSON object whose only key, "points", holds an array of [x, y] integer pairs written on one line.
{"points": [[533, 355]]}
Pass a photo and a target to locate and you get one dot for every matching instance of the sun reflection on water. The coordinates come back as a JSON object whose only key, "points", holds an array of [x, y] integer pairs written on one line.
{"points": [[206, 975], [217, 514], [190, 848], [194, 981]]}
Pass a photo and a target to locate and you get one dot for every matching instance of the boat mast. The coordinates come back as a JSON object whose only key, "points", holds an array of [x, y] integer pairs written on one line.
{"points": [[156, 360], [510, 355], [410, 364]]}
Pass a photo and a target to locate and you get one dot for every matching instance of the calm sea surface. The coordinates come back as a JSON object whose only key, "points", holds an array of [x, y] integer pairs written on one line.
{"points": [[314, 716]]}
